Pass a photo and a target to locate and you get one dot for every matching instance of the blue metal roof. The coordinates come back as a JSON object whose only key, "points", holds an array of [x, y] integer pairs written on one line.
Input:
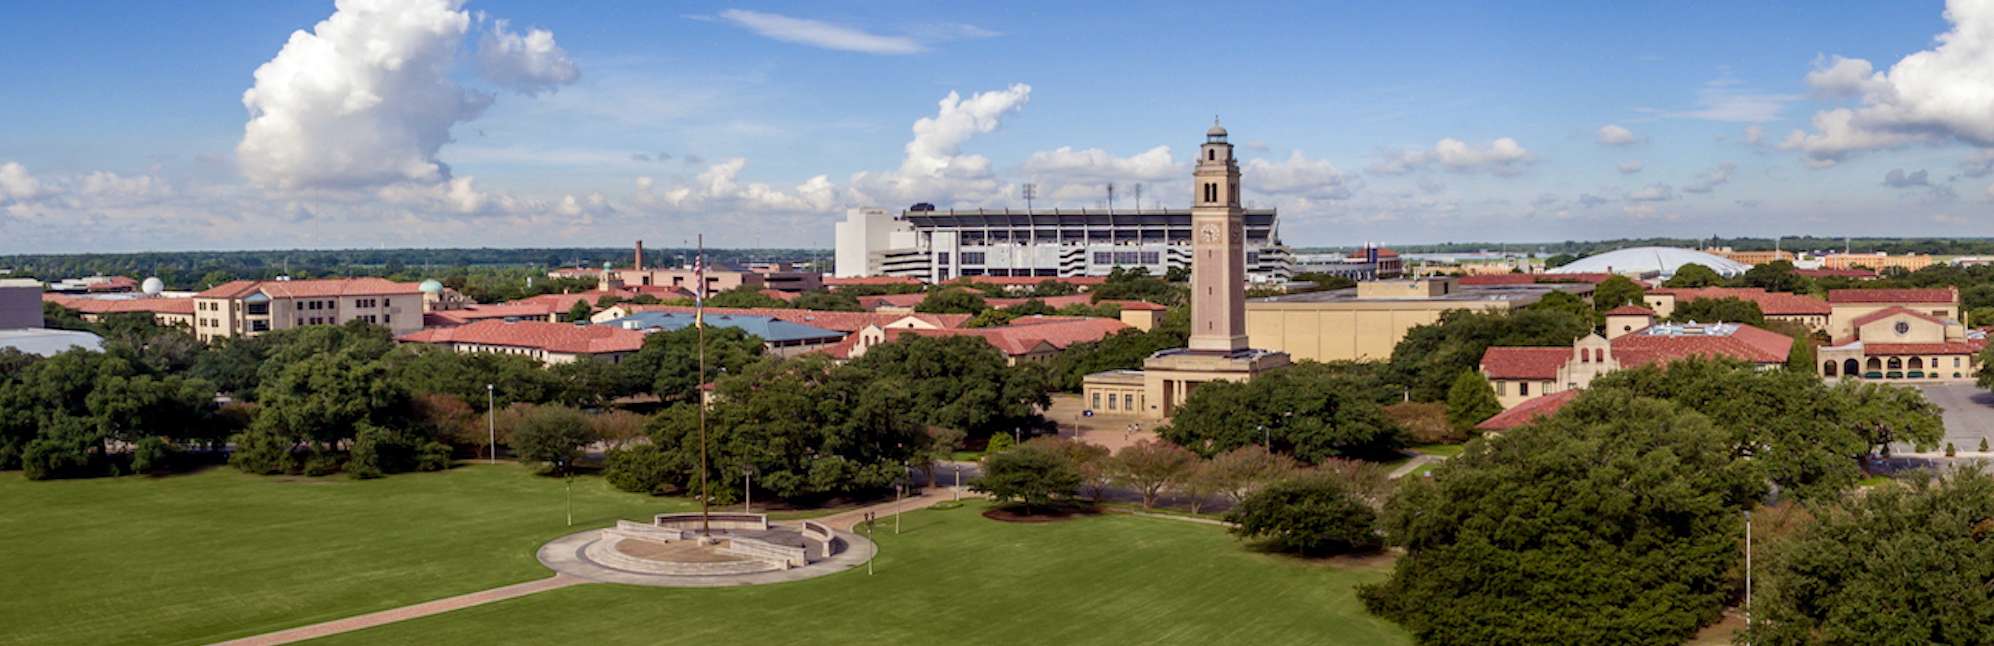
{"points": [[769, 329]]}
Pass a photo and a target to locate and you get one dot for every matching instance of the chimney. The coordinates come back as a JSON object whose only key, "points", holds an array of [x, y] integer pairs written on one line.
{"points": [[638, 262]]}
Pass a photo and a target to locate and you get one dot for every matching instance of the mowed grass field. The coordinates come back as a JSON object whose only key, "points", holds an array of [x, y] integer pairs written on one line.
{"points": [[954, 577], [221, 554]]}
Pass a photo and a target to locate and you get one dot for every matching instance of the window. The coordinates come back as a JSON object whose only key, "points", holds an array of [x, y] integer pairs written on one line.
{"points": [[1104, 258], [1128, 402], [1111, 402], [1151, 257], [1955, 362], [1502, 389], [972, 257], [1097, 400], [1212, 154], [1523, 388]]}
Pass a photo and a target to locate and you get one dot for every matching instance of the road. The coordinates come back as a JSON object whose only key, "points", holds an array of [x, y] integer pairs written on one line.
{"points": [[1969, 416]]}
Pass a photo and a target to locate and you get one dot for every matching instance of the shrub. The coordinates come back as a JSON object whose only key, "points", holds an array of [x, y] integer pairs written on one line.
{"points": [[551, 435], [1471, 400], [321, 463], [262, 453], [640, 468], [1031, 475], [1426, 422], [1313, 515], [153, 455], [434, 456], [53, 457], [1950, 450], [999, 442]]}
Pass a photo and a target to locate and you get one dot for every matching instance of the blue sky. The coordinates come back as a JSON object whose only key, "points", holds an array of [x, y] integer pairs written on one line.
{"points": [[440, 123]]}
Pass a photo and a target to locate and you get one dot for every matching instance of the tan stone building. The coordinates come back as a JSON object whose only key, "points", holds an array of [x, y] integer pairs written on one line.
{"points": [[252, 307], [1897, 343], [1364, 323], [1522, 374], [1878, 261], [1809, 311], [1218, 346], [548, 343], [1848, 305]]}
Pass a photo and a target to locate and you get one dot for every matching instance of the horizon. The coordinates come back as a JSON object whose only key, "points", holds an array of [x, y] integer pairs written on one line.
{"points": [[511, 125]]}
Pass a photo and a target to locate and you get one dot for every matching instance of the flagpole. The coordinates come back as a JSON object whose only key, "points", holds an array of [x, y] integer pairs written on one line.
{"points": [[699, 322]]}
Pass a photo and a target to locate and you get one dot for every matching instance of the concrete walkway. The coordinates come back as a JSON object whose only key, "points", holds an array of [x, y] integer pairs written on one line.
{"points": [[1410, 465], [423, 609], [843, 521]]}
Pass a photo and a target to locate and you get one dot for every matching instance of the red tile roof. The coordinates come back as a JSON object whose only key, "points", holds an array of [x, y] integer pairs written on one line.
{"points": [[1032, 333], [891, 300], [1949, 347], [114, 284], [836, 321], [1939, 295], [1538, 364], [1054, 302], [1745, 342], [1770, 303], [97, 306], [562, 302], [481, 312], [1529, 411], [1630, 310], [1888, 312], [323, 288], [1593, 277], [565, 338]]}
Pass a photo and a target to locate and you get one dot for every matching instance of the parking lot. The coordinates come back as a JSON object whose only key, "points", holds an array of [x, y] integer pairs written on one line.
{"points": [[1969, 416]]}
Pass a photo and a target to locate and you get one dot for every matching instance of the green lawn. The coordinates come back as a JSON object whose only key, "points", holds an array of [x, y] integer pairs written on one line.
{"points": [[954, 577], [1442, 450], [221, 554]]}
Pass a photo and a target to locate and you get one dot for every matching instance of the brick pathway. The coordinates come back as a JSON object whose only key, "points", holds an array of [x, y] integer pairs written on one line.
{"points": [[423, 609]]}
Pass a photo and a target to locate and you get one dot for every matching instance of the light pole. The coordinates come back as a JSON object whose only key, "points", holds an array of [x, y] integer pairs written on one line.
{"points": [[748, 489], [491, 423], [1748, 569], [958, 481]]}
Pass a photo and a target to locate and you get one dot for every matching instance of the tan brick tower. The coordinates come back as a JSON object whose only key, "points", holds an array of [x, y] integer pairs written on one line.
{"points": [[1218, 266], [1217, 348]]}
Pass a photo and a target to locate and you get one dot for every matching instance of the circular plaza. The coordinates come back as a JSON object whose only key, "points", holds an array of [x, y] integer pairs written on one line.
{"points": [[688, 551]]}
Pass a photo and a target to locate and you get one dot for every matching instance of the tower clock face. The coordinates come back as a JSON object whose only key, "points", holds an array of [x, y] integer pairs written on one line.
{"points": [[1210, 233]]}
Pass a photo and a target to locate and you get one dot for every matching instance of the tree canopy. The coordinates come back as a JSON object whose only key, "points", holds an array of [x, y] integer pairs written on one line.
{"points": [[1615, 521], [1911, 563], [1715, 310], [1694, 275], [1311, 410], [961, 382], [1616, 291]]}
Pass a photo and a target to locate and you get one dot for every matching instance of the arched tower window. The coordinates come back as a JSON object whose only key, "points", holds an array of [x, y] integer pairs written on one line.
{"points": [[1211, 154]]}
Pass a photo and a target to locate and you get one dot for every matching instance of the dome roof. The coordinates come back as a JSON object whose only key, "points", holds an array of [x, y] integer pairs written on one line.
{"points": [[1646, 260], [152, 286], [1217, 130], [431, 287]]}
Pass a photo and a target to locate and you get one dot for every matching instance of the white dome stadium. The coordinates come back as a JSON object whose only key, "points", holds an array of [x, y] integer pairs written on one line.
{"points": [[152, 286], [1640, 261]]}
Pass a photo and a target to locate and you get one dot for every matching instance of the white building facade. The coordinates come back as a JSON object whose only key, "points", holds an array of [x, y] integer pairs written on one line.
{"points": [[941, 245]]}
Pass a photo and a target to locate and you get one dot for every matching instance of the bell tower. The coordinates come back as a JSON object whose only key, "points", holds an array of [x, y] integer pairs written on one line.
{"points": [[1218, 251]]}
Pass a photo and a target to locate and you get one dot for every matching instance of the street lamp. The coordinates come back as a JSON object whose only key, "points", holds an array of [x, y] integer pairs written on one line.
{"points": [[958, 481], [491, 423], [1266, 439], [748, 489]]}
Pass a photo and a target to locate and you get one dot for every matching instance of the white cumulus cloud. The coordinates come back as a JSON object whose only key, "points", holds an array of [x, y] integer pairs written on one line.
{"points": [[1301, 176], [1630, 167], [1709, 180], [528, 64], [935, 168], [16, 184], [1614, 135], [1503, 156], [1943, 93], [367, 96]]}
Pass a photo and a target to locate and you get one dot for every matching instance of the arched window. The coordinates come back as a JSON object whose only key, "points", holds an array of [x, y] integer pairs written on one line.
{"points": [[1874, 364], [1917, 363], [1849, 368], [1212, 154], [1896, 363], [1599, 355], [1828, 369]]}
